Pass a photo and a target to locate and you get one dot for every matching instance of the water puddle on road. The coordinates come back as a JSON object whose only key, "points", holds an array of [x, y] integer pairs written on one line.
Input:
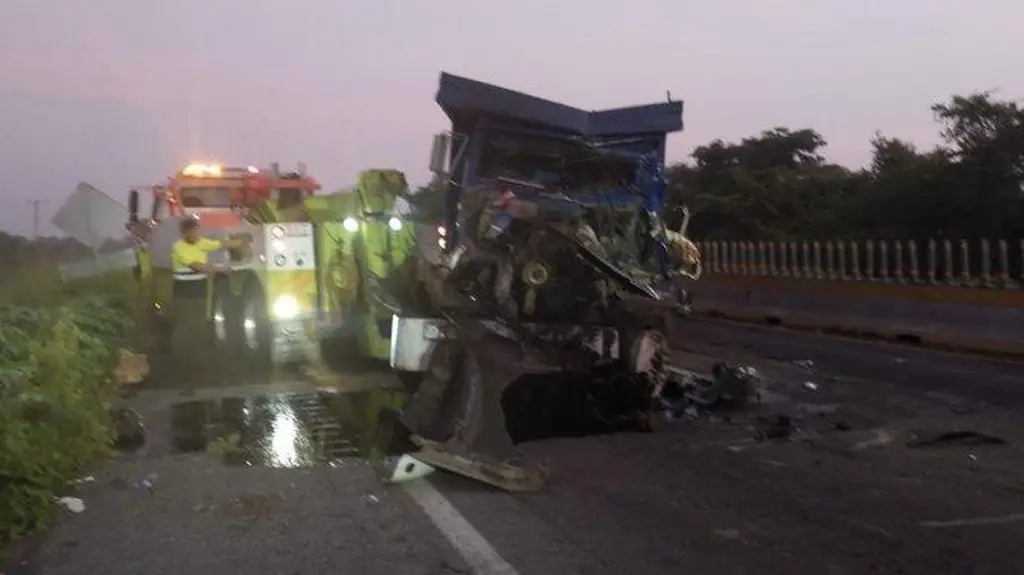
{"points": [[292, 429]]}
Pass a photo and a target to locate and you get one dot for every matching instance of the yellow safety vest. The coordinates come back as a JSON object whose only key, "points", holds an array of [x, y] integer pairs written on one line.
{"points": [[185, 254]]}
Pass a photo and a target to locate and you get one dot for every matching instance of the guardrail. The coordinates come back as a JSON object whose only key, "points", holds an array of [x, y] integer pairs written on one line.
{"points": [[965, 294], [986, 263]]}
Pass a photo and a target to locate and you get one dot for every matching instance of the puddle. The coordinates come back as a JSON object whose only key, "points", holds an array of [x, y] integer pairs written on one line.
{"points": [[291, 429], [304, 429]]}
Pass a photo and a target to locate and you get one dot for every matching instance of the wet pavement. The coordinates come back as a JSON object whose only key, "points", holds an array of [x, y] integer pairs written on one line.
{"points": [[285, 477], [300, 429]]}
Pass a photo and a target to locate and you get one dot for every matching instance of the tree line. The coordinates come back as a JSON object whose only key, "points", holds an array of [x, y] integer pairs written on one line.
{"points": [[19, 252], [779, 185]]}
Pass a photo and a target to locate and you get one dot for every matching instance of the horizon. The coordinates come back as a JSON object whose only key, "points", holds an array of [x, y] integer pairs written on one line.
{"points": [[119, 95]]}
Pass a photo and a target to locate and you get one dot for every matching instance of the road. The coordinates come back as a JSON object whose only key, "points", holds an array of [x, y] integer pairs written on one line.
{"points": [[844, 494]]}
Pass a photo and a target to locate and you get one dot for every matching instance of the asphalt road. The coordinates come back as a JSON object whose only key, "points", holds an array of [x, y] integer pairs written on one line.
{"points": [[995, 381], [844, 494]]}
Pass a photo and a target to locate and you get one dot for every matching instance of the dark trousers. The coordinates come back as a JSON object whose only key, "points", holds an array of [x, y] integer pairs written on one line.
{"points": [[191, 337]]}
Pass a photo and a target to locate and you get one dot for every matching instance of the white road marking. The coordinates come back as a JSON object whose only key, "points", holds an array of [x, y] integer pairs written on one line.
{"points": [[481, 556]]}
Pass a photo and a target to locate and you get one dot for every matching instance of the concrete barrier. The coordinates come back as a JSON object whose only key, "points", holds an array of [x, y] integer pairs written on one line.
{"points": [[864, 290]]}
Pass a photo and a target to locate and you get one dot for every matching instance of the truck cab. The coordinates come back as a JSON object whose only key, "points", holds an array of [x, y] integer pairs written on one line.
{"points": [[608, 165], [225, 196]]}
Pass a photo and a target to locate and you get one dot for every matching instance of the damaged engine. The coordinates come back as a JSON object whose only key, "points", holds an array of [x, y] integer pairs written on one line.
{"points": [[551, 251], [528, 290]]}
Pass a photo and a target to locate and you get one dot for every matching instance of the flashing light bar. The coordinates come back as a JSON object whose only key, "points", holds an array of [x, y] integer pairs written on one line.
{"points": [[200, 170]]}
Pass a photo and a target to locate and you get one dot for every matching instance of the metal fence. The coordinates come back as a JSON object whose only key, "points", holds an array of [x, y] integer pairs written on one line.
{"points": [[982, 263]]}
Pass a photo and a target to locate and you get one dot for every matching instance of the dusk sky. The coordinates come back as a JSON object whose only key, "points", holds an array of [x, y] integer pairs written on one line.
{"points": [[123, 92]]}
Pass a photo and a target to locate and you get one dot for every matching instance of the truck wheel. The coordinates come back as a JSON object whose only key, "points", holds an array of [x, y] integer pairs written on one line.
{"points": [[254, 326]]}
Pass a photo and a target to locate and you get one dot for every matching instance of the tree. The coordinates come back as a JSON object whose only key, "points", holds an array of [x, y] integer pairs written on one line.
{"points": [[779, 185]]}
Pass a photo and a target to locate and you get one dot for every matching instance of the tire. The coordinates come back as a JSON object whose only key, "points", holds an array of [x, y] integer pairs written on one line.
{"points": [[254, 326]]}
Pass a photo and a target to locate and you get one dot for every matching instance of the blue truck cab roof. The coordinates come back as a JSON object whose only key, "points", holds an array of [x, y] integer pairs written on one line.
{"points": [[467, 101], [476, 107]]}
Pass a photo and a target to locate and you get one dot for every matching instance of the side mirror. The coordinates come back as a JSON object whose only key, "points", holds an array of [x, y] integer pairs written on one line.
{"points": [[158, 203], [133, 206], [440, 149]]}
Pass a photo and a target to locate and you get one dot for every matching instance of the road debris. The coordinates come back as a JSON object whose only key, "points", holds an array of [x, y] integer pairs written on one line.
{"points": [[72, 504], [878, 438], [953, 438], [804, 363], [729, 385], [978, 521], [778, 426], [132, 368], [810, 386], [408, 468], [129, 430], [146, 482]]}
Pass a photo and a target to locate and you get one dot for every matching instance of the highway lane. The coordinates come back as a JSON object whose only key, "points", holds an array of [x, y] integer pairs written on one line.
{"points": [[702, 496], [992, 380]]}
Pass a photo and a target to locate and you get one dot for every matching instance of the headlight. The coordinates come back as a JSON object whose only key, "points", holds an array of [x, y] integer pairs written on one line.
{"points": [[285, 307], [441, 231], [350, 224], [395, 224], [441, 243], [277, 232]]}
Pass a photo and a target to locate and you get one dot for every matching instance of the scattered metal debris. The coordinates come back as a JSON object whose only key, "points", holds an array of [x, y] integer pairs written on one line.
{"points": [[408, 468], [146, 482], [810, 386], [729, 385], [804, 363]]}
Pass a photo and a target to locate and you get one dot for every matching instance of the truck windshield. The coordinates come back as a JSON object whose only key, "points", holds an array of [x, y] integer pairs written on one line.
{"points": [[206, 197], [552, 163]]}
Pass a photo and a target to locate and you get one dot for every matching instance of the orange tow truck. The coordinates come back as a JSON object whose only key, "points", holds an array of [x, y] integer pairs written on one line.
{"points": [[225, 196]]}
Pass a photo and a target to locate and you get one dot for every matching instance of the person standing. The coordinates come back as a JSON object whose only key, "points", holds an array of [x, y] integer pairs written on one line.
{"points": [[190, 334]]}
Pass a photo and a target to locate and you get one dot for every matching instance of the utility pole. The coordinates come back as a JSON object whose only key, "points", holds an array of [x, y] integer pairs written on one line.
{"points": [[35, 217]]}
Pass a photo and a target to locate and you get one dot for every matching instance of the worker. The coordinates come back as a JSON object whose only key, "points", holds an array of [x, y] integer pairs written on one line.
{"points": [[190, 336]]}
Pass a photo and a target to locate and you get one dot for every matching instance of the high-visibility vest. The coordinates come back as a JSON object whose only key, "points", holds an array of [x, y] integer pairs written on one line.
{"points": [[188, 275]]}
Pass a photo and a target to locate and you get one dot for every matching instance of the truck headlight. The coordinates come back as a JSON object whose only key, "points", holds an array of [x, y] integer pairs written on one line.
{"points": [[350, 224], [285, 307], [395, 223]]}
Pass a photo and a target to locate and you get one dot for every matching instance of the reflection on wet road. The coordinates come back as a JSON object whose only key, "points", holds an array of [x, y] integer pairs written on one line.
{"points": [[291, 429]]}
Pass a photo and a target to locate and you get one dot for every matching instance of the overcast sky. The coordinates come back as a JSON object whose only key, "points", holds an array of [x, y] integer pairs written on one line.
{"points": [[123, 92]]}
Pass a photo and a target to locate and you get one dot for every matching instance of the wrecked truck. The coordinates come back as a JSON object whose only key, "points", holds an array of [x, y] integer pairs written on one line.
{"points": [[546, 260]]}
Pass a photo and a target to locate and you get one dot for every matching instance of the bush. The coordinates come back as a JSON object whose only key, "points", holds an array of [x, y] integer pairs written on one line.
{"points": [[55, 398]]}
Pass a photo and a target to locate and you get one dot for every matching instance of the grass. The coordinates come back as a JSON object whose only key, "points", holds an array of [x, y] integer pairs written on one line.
{"points": [[58, 345]]}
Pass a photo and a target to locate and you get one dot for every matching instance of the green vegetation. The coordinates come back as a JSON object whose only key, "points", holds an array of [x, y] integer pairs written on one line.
{"points": [[779, 186], [57, 348]]}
